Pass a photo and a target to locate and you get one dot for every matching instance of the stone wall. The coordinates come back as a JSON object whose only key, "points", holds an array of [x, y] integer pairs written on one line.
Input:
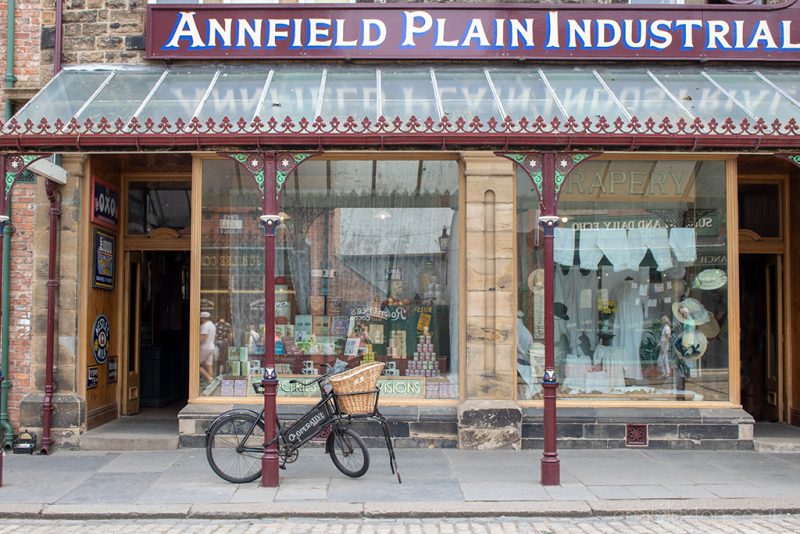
{"points": [[68, 414]]}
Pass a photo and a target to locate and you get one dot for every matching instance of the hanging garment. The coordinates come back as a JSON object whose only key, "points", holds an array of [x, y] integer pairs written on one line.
{"points": [[663, 354], [586, 307], [564, 246], [575, 371], [654, 239], [684, 244], [612, 359], [566, 294], [589, 252], [629, 325], [614, 244]]}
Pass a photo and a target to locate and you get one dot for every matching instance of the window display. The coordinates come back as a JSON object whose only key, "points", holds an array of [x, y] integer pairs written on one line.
{"points": [[367, 257], [640, 294]]}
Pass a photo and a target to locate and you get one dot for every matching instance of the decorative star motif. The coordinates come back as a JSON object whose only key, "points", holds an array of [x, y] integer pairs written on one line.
{"points": [[15, 164], [255, 162], [285, 162], [563, 163], [533, 163]]}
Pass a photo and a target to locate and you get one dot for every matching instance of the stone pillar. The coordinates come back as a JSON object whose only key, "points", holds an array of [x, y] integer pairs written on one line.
{"points": [[489, 418], [68, 415]]}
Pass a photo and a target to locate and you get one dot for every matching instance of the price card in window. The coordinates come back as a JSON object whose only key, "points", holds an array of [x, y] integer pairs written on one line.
{"points": [[659, 288], [586, 298], [643, 290]]}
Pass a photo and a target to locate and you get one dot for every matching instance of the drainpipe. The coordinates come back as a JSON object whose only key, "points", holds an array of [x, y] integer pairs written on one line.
{"points": [[9, 79], [52, 284], [5, 423]]}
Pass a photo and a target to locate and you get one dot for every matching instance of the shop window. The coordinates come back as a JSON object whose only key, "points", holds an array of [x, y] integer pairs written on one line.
{"points": [[641, 301], [367, 259], [159, 205]]}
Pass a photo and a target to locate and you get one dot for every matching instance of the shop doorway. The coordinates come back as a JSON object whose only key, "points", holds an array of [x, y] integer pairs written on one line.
{"points": [[157, 320], [762, 347]]}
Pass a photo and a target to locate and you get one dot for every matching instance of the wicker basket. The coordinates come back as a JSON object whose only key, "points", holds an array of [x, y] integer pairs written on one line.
{"points": [[356, 390]]}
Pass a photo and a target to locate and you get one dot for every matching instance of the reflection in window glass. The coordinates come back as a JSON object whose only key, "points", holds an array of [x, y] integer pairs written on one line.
{"points": [[640, 283], [154, 205], [366, 270]]}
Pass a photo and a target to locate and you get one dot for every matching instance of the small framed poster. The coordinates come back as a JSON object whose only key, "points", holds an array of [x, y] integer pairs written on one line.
{"points": [[111, 370], [105, 203], [351, 347], [103, 260], [92, 376]]}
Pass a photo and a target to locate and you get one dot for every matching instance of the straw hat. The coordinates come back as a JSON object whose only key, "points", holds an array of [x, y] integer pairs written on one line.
{"points": [[710, 279], [711, 328], [536, 280], [696, 312], [692, 345], [205, 315]]}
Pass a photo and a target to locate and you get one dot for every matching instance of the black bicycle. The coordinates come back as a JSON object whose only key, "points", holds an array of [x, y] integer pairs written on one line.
{"points": [[235, 440]]}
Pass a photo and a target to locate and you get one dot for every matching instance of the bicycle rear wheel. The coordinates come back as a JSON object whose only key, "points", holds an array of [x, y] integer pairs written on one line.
{"points": [[348, 452], [234, 447]]}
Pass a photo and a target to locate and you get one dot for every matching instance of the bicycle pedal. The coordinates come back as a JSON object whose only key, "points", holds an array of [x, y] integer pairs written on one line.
{"points": [[282, 467]]}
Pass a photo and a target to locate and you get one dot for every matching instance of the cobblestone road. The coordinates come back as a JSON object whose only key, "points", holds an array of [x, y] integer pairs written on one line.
{"points": [[667, 524]]}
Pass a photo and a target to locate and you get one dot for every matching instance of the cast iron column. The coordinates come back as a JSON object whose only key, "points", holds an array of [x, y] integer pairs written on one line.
{"points": [[270, 220], [270, 170], [550, 464]]}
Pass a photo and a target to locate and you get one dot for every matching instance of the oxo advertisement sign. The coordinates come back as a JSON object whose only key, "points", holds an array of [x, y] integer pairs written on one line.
{"points": [[417, 31]]}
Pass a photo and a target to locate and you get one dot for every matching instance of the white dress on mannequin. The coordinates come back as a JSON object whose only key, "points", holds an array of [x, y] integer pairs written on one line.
{"points": [[629, 324]]}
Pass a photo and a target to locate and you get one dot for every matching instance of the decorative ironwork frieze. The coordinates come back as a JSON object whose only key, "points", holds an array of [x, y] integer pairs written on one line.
{"points": [[531, 164], [794, 158], [564, 163], [256, 165], [15, 165], [719, 133]]}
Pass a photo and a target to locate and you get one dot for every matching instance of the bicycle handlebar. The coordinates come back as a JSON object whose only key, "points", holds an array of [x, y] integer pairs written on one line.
{"points": [[315, 380]]}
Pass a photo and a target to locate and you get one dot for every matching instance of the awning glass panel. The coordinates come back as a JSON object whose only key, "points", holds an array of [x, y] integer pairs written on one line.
{"points": [[121, 96], [756, 94], [293, 93], [212, 93], [407, 92], [178, 95], [351, 92], [700, 95], [236, 94], [466, 93], [523, 93], [581, 94], [63, 97], [641, 95]]}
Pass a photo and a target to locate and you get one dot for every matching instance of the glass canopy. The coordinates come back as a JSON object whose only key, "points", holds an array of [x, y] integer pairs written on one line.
{"points": [[239, 92]]}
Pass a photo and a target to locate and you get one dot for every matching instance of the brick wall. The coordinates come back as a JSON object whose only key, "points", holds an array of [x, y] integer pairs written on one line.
{"points": [[20, 297]]}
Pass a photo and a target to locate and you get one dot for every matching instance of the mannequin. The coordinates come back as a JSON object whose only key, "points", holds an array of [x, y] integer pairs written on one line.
{"points": [[630, 321]]}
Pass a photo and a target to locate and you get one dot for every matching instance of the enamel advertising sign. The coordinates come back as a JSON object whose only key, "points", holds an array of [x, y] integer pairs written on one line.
{"points": [[416, 31]]}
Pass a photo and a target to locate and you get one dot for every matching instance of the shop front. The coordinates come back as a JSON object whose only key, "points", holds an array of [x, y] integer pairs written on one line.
{"points": [[409, 224]]}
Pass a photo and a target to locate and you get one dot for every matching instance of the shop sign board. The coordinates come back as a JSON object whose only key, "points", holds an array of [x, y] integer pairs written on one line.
{"points": [[103, 260], [105, 203], [92, 376], [456, 31], [406, 387], [101, 338], [705, 225]]}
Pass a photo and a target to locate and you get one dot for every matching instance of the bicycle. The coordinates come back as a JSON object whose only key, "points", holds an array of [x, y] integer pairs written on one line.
{"points": [[235, 439]]}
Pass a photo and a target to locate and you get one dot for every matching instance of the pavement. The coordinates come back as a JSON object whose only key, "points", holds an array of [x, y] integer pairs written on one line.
{"points": [[436, 483]]}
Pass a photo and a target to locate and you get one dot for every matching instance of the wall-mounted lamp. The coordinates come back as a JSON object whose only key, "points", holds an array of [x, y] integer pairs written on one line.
{"points": [[444, 240]]}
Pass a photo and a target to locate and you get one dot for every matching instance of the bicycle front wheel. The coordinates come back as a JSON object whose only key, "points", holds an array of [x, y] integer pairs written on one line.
{"points": [[234, 447], [348, 452]]}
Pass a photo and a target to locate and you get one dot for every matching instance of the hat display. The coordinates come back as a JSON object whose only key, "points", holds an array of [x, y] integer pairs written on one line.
{"points": [[710, 279], [560, 311], [692, 344], [205, 315], [711, 328], [536, 279], [695, 312]]}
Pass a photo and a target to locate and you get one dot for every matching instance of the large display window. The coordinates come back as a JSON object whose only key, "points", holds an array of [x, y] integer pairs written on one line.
{"points": [[641, 292], [367, 257]]}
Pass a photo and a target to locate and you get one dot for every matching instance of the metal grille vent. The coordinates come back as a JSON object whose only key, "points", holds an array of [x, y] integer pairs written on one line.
{"points": [[636, 435]]}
